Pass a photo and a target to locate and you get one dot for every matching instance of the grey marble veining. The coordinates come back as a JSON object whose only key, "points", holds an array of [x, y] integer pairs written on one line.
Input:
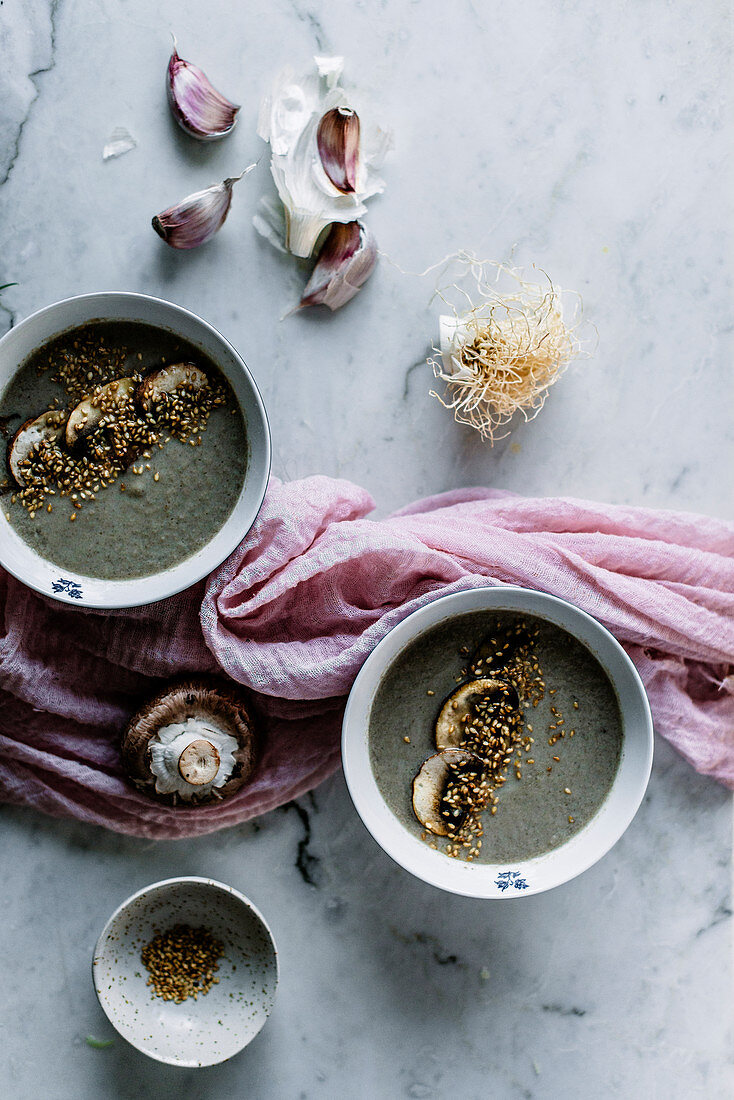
{"points": [[589, 139]]}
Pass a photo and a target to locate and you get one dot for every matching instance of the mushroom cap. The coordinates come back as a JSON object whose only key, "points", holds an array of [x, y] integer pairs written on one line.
{"points": [[49, 425], [167, 379], [450, 724], [209, 699], [429, 787], [84, 418]]}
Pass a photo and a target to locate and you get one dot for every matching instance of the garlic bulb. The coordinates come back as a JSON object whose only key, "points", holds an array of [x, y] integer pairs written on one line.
{"points": [[322, 161], [346, 261], [197, 106], [196, 218], [190, 758], [501, 356]]}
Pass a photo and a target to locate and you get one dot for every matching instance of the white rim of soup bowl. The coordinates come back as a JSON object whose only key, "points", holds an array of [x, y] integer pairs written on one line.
{"points": [[77, 589], [150, 890], [521, 878]]}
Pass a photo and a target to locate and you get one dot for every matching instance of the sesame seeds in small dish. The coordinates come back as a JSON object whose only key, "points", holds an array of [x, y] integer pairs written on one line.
{"points": [[186, 970]]}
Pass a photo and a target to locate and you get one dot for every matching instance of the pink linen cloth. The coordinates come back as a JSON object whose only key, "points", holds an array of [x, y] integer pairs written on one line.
{"points": [[297, 608]]}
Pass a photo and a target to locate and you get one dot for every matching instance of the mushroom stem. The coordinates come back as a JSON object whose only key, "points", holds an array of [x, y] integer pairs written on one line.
{"points": [[199, 763]]}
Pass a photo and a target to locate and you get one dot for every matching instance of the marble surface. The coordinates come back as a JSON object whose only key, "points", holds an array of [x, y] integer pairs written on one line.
{"points": [[587, 138]]}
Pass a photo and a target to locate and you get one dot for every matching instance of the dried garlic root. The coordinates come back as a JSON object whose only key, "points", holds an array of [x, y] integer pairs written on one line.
{"points": [[503, 354]]}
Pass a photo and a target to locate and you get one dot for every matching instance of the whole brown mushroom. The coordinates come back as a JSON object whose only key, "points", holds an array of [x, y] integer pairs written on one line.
{"points": [[191, 743]]}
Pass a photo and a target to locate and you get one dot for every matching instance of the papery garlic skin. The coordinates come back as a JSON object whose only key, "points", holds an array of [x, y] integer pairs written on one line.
{"points": [[452, 334], [289, 120], [197, 217], [345, 263], [171, 741], [197, 106], [120, 142]]}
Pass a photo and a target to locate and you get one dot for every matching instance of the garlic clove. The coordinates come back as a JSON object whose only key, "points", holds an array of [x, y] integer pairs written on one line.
{"points": [[197, 106], [345, 263], [196, 218], [337, 140], [270, 222]]}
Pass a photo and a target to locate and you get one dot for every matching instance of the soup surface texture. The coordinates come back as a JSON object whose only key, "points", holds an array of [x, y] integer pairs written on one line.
{"points": [[534, 813], [162, 508]]}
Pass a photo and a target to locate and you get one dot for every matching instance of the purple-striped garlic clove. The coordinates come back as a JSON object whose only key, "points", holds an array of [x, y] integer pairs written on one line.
{"points": [[197, 106], [337, 139], [197, 217], [346, 261]]}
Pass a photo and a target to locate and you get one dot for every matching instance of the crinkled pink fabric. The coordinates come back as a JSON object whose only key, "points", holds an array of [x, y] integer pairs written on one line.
{"points": [[296, 609]]}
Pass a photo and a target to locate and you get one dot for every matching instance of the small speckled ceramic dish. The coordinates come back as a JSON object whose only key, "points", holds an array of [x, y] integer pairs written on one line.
{"points": [[215, 1026]]}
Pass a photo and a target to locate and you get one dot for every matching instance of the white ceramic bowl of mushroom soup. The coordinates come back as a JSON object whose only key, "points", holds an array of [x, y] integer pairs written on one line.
{"points": [[576, 735], [218, 1023], [172, 513]]}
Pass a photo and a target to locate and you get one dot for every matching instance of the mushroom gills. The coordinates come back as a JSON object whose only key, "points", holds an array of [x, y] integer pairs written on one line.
{"points": [[436, 785], [48, 426], [495, 699], [88, 413], [167, 379]]}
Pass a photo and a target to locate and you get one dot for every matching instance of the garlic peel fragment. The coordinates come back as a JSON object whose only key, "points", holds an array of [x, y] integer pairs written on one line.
{"points": [[119, 142], [345, 263], [197, 106]]}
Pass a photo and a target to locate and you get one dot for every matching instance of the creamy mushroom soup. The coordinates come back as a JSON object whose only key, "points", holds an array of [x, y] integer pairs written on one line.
{"points": [[140, 459], [555, 764]]}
